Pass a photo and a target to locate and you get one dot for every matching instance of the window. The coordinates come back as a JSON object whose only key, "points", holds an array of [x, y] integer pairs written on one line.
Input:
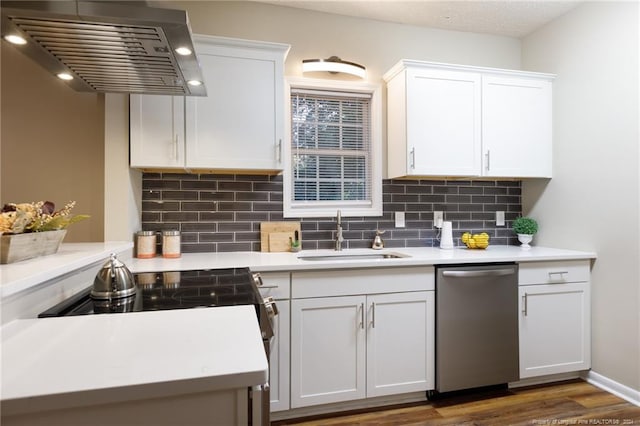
{"points": [[333, 154]]}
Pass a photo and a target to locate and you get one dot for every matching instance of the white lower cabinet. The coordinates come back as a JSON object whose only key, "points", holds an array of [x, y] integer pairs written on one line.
{"points": [[279, 359], [278, 286], [327, 350], [349, 347], [555, 330], [400, 343]]}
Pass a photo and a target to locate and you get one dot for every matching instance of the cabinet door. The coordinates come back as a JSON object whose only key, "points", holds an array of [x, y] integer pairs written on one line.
{"points": [[443, 123], [239, 125], [157, 131], [327, 350], [516, 127], [279, 359], [400, 343], [554, 329]]}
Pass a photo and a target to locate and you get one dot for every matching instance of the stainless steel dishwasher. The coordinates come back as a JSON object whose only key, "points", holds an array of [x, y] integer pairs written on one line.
{"points": [[476, 326]]}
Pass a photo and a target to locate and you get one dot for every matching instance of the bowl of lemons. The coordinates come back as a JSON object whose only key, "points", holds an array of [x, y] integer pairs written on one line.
{"points": [[475, 241]]}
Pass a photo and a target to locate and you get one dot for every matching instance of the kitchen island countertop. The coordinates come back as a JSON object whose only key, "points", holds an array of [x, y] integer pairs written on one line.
{"points": [[20, 276], [66, 362]]}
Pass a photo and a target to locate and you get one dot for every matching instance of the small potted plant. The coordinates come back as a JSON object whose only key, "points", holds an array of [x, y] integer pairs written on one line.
{"points": [[525, 227]]}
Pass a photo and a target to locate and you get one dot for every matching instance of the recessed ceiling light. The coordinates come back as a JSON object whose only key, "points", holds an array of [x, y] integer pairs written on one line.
{"points": [[184, 51], [65, 76], [194, 83], [15, 39]]}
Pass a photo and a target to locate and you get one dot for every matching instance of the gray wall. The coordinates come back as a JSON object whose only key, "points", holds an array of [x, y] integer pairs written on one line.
{"points": [[592, 201], [52, 143]]}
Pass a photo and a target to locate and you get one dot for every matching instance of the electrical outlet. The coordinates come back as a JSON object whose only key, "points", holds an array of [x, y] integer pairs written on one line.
{"points": [[438, 218], [400, 220], [499, 218]]}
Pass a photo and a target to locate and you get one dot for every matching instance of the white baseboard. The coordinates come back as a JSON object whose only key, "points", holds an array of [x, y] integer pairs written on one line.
{"points": [[350, 405], [551, 378], [611, 386]]}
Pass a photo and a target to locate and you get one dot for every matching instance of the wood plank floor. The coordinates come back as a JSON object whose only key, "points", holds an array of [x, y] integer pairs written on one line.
{"points": [[567, 403]]}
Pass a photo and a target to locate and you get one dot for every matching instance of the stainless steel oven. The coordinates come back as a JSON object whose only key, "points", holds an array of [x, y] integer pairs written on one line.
{"points": [[189, 289]]}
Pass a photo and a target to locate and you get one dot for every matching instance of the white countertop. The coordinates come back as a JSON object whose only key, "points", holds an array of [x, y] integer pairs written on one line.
{"points": [[46, 363], [19, 276], [111, 358], [264, 262]]}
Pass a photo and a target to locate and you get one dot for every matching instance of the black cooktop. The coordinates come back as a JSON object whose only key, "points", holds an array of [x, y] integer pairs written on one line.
{"points": [[169, 290]]}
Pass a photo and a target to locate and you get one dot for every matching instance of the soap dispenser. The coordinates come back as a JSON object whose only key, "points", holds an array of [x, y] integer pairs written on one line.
{"points": [[378, 244]]}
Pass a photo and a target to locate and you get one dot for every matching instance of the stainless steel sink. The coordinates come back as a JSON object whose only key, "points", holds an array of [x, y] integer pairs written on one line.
{"points": [[352, 256]]}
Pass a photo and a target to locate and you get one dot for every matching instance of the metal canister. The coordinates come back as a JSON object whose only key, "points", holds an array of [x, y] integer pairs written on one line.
{"points": [[171, 244], [146, 242]]}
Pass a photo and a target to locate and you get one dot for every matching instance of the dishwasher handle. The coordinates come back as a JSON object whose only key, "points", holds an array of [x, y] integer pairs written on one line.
{"points": [[479, 273]]}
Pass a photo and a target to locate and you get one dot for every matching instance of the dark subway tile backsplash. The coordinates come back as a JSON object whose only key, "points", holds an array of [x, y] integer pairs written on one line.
{"points": [[220, 213]]}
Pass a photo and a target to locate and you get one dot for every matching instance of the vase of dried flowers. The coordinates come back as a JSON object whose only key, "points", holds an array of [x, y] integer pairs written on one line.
{"points": [[31, 230]]}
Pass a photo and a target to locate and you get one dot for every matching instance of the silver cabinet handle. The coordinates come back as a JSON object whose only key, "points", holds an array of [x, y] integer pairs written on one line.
{"points": [[373, 314], [361, 323], [279, 151], [480, 273], [561, 273], [488, 160], [175, 147], [412, 164], [524, 304]]}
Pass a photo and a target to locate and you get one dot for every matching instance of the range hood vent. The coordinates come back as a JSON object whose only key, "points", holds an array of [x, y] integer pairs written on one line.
{"points": [[108, 46]]}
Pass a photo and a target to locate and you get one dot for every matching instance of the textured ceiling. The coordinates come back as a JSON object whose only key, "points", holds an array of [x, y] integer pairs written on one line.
{"points": [[512, 18]]}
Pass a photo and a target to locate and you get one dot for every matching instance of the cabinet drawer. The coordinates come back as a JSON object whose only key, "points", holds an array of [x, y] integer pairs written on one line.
{"points": [[554, 272], [361, 281], [276, 285]]}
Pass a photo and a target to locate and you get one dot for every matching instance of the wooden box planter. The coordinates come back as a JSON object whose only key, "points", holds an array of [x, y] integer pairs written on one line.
{"points": [[17, 247]]}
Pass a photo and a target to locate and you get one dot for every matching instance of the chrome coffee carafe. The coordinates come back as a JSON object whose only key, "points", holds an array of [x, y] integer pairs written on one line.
{"points": [[113, 281]]}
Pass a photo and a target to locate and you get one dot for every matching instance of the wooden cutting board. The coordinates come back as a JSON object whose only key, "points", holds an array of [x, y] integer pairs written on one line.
{"points": [[274, 236]]}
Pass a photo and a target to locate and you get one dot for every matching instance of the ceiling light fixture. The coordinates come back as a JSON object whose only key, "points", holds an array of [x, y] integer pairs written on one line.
{"points": [[333, 65], [184, 51], [65, 76], [194, 82], [15, 39]]}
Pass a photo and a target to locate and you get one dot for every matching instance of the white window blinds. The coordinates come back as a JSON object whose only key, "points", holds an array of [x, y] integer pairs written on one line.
{"points": [[330, 147]]}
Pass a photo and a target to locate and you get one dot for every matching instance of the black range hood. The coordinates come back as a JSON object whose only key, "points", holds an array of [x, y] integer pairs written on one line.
{"points": [[108, 46]]}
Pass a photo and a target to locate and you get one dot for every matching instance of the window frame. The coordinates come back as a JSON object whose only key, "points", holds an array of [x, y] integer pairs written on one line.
{"points": [[293, 209]]}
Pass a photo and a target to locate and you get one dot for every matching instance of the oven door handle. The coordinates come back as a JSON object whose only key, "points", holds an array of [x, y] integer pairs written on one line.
{"points": [[270, 304]]}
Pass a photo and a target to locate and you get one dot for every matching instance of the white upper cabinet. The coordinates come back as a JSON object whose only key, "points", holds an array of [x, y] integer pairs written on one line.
{"points": [[449, 120], [240, 125], [434, 123], [157, 131], [516, 126]]}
